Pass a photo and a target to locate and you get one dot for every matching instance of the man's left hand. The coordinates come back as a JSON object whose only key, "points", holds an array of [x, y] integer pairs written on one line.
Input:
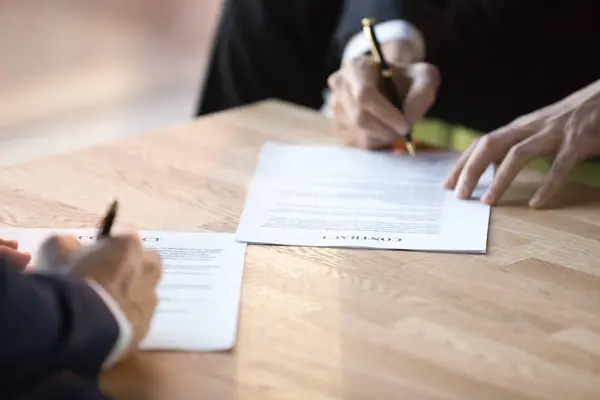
{"points": [[568, 131], [9, 249]]}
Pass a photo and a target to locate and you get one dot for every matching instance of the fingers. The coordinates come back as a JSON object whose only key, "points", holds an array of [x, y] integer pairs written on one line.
{"points": [[422, 93], [17, 258], [516, 159], [363, 79], [340, 123], [367, 116], [368, 131], [565, 161], [516, 146], [12, 244], [452, 178], [490, 148], [355, 123]]}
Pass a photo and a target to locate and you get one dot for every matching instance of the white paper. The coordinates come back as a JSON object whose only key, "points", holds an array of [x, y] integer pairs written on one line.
{"points": [[199, 293], [345, 197]]}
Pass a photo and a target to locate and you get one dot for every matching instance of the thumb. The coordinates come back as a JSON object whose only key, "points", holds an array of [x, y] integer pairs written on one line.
{"points": [[422, 93]]}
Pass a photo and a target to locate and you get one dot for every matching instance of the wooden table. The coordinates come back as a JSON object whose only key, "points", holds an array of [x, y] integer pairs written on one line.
{"points": [[522, 322]]}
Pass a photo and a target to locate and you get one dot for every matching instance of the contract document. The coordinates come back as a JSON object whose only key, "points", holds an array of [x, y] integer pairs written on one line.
{"points": [[344, 197], [199, 293]]}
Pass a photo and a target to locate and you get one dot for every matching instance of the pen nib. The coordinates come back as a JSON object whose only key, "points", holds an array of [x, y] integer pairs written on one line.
{"points": [[109, 219], [410, 148]]}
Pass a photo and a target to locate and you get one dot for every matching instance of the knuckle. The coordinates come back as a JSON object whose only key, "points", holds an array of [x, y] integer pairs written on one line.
{"points": [[363, 95], [153, 263], [518, 151], [364, 63], [334, 80], [528, 121], [432, 72], [129, 240], [488, 143], [360, 118]]}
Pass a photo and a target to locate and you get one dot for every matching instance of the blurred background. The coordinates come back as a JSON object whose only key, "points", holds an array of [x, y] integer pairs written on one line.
{"points": [[74, 73]]}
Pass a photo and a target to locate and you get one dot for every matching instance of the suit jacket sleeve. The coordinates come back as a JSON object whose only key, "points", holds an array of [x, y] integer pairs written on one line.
{"points": [[430, 17], [51, 323]]}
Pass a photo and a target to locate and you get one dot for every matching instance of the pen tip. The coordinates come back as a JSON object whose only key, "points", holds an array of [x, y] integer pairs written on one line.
{"points": [[113, 207], [410, 148]]}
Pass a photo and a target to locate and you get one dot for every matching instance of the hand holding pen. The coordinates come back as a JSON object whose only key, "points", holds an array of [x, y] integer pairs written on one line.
{"points": [[57, 253], [375, 101], [118, 267]]}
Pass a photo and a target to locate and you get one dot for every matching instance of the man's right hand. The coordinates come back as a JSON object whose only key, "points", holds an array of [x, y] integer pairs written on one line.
{"points": [[121, 266], [363, 116]]}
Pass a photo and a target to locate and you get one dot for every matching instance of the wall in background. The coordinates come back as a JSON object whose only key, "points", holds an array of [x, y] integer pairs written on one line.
{"points": [[76, 72]]}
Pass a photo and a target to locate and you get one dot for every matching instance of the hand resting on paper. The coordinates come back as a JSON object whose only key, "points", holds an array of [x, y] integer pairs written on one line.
{"points": [[119, 264], [362, 114], [568, 131]]}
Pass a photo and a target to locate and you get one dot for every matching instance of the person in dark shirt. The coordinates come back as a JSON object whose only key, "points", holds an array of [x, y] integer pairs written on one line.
{"points": [[80, 310], [525, 72]]}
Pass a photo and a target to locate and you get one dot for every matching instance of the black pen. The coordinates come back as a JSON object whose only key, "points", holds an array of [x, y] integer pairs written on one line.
{"points": [[109, 220], [386, 74]]}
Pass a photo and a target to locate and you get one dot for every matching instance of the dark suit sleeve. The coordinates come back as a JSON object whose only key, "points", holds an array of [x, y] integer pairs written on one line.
{"points": [[429, 16], [50, 324], [62, 385]]}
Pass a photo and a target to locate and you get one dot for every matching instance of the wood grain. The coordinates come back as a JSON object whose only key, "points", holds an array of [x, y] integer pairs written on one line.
{"points": [[522, 322]]}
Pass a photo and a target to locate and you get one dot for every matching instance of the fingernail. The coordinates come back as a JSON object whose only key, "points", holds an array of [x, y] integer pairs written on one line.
{"points": [[534, 202], [487, 198], [403, 129], [461, 192], [447, 183]]}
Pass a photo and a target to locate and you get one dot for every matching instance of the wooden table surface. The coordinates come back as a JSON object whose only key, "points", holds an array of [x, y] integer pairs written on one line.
{"points": [[522, 322]]}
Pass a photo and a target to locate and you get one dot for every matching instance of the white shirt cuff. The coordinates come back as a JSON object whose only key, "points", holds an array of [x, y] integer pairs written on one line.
{"points": [[387, 31], [125, 329]]}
